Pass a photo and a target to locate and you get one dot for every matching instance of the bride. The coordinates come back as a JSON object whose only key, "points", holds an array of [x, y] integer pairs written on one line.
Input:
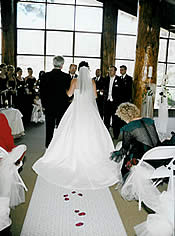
{"points": [[78, 155]]}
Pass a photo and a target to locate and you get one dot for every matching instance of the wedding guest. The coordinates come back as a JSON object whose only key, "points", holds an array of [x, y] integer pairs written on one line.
{"points": [[39, 81], [99, 80], [30, 81], [127, 83], [118, 90], [3, 77], [11, 84], [3, 84], [114, 96], [72, 71], [37, 112], [54, 97], [138, 136], [21, 95]]}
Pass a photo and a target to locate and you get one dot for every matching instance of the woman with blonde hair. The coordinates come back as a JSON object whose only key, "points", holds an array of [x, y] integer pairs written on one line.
{"points": [[138, 136]]}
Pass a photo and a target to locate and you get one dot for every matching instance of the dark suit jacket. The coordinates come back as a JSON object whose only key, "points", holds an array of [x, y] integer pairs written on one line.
{"points": [[121, 90], [99, 83], [53, 91]]}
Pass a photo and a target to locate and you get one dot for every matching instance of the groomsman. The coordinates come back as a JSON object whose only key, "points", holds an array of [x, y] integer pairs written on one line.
{"points": [[72, 71], [54, 97], [127, 81], [117, 91], [99, 80]]}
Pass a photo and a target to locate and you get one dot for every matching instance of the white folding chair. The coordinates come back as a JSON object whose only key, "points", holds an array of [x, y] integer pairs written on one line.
{"points": [[3, 153], [157, 153], [8, 169], [5, 220], [168, 171]]}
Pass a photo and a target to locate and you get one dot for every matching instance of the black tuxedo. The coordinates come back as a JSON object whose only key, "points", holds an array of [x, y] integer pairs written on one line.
{"points": [[121, 92], [100, 94], [73, 76], [54, 99]]}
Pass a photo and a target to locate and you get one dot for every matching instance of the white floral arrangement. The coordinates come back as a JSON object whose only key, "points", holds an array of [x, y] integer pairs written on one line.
{"points": [[165, 91]]}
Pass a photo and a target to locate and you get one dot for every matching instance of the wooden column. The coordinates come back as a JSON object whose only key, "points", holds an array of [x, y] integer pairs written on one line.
{"points": [[8, 21], [108, 49], [147, 46]]}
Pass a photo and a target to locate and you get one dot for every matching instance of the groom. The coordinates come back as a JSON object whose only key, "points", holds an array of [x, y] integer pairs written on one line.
{"points": [[54, 97]]}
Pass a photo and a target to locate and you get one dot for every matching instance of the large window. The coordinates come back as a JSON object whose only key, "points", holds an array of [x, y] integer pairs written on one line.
{"points": [[71, 28], [166, 65], [126, 41], [125, 54]]}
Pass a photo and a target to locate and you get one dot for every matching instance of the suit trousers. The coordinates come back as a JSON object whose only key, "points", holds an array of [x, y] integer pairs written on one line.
{"points": [[109, 112], [100, 105], [52, 121]]}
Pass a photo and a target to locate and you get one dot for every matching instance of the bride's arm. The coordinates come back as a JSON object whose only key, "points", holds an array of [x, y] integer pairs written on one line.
{"points": [[94, 87], [73, 84]]}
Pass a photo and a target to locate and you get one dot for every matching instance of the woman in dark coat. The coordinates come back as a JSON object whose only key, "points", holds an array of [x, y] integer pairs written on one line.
{"points": [[138, 136]]}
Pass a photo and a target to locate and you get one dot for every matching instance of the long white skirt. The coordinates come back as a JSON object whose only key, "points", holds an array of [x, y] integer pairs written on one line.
{"points": [[78, 156]]}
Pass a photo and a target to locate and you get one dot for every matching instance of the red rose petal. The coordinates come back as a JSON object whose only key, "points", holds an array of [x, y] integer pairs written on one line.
{"points": [[80, 194], [79, 224], [65, 195], [76, 211], [66, 199], [82, 214], [73, 192]]}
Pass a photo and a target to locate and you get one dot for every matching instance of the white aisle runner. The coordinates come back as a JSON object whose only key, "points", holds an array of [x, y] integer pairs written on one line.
{"points": [[56, 211]]}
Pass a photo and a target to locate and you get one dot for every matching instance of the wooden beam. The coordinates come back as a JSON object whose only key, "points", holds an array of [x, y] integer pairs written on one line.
{"points": [[147, 46], [8, 21], [108, 49]]}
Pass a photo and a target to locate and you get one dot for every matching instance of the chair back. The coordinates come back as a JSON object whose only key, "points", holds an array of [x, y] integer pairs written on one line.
{"points": [[3, 153], [159, 153]]}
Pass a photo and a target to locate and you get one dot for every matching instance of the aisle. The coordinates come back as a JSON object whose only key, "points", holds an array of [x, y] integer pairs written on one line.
{"points": [[55, 211]]}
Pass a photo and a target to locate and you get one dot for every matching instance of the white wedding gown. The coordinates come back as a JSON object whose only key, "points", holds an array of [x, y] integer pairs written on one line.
{"points": [[78, 155]]}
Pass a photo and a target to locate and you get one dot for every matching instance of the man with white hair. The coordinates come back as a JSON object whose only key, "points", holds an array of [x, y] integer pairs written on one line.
{"points": [[54, 97]]}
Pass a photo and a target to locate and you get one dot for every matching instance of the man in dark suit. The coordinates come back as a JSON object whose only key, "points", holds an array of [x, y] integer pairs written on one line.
{"points": [[99, 80], [117, 91], [127, 82], [72, 71], [54, 97]]}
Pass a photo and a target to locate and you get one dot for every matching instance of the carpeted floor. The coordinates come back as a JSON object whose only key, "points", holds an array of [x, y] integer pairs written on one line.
{"points": [[58, 211], [34, 139]]}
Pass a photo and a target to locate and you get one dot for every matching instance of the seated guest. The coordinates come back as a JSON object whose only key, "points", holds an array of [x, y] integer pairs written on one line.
{"points": [[138, 136]]}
